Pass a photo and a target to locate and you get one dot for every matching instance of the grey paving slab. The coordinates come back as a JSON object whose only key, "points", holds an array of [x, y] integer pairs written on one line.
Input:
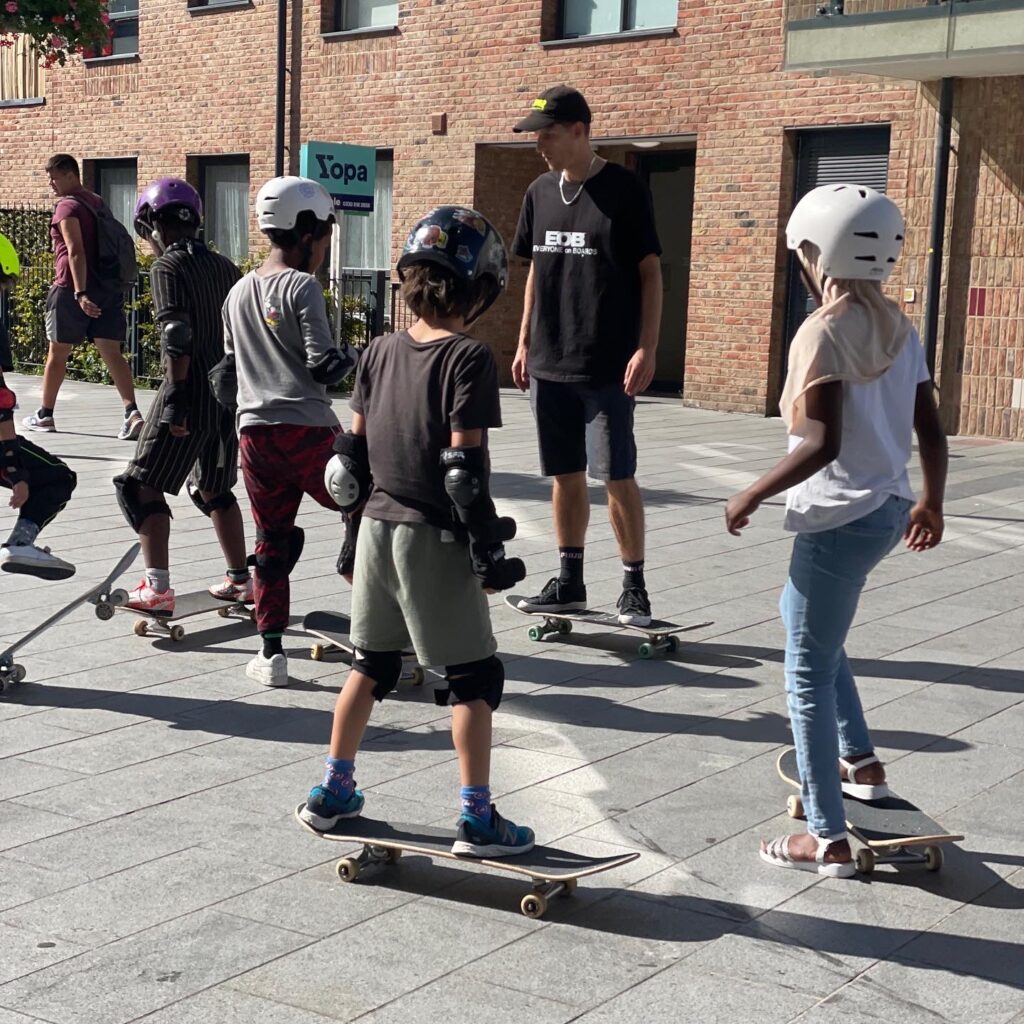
{"points": [[228, 1006], [25, 950], [124, 980]]}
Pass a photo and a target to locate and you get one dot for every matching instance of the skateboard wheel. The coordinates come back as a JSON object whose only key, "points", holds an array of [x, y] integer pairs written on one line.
{"points": [[570, 886], [104, 611], [564, 626], [646, 650], [118, 598], [347, 869], [18, 675], [673, 644], [177, 633], [316, 652], [224, 612], [536, 633], [141, 627], [865, 860], [394, 856], [534, 905], [417, 676], [795, 806], [933, 857]]}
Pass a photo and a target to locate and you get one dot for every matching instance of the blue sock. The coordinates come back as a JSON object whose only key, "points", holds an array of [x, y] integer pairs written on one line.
{"points": [[339, 777], [476, 800]]}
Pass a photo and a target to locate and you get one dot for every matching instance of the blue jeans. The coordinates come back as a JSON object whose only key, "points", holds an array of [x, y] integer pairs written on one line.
{"points": [[827, 573]]}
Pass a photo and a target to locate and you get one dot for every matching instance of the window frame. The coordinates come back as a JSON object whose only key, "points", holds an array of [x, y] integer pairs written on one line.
{"points": [[117, 18], [202, 165], [338, 26], [624, 5], [100, 164]]}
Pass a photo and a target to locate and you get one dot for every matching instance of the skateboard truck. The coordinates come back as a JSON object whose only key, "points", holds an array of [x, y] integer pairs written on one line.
{"points": [[659, 643]]}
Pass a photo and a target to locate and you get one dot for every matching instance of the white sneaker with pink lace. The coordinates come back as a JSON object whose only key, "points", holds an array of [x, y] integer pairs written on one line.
{"points": [[229, 590], [145, 599]]}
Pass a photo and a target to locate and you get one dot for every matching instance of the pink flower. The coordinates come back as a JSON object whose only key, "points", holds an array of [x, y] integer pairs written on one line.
{"points": [[105, 18], [56, 42], [11, 7]]}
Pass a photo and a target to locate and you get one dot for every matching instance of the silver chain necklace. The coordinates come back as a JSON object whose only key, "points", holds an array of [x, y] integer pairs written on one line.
{"points": [[583, 184]]}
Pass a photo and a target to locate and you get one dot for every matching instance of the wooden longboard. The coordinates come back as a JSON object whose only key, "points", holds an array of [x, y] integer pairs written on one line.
{"points": [[552, 871], [333, 629], [886, 827], [661, 635], [104, 599], [198, 602]]}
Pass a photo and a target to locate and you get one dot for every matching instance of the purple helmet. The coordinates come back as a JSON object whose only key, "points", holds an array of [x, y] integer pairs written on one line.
{"points": [[167, 194]]}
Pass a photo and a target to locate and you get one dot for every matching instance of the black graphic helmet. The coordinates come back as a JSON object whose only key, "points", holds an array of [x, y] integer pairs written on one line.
{"points": [[464, 242]]}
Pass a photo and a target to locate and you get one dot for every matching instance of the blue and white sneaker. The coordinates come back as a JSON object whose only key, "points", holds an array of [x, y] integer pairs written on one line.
{"points": [[476, 837], [324, 810]]}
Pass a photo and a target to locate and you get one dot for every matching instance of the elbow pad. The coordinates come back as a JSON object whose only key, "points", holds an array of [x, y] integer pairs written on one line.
{"points": [[176, 339], [347, 476], [333, 366]]}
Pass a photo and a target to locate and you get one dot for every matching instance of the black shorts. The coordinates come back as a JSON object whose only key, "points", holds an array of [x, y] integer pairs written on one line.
{"points": [[583, 427], [67, 323], [209, 455]]}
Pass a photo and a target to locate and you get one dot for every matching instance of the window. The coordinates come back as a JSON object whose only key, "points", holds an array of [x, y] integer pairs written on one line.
{"points": [[224, 187], [21, 77], [124, 31], [366, 241], [606, 17], [117, 181], [353, 14]]}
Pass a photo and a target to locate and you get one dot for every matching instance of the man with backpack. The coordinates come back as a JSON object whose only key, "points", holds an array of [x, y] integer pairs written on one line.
{"points": [[94, 260]]}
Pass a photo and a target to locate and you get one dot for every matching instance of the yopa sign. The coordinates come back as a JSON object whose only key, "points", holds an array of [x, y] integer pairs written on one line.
{"points": [[347, 172]]}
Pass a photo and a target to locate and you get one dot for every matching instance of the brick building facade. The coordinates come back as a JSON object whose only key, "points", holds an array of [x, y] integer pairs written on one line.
{"points": [[702, 107]]}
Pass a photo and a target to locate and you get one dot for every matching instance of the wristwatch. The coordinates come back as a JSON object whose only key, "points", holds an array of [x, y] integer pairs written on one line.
{"points": [[78, 295]]}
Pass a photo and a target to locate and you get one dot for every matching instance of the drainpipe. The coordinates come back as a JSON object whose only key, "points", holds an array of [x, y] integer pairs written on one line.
{"points": [[938, 229], [282, 77]]}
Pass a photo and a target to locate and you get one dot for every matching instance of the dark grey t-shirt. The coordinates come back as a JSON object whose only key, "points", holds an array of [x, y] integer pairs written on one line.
{"points": [[412, 396]]}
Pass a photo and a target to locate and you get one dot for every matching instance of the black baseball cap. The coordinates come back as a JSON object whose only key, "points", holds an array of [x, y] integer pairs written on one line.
{"points": [[557, 105]]}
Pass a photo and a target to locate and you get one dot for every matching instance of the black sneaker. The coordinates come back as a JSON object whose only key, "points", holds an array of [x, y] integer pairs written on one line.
{"points": [[634, 607], [557, 596]]}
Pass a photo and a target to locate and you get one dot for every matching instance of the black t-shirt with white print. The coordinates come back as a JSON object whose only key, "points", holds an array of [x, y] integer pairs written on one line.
{"points": [[586, 310], [412, 396]]}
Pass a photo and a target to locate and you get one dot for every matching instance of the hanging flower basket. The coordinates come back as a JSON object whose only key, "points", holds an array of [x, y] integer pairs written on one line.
{"points": [[57, 28]]}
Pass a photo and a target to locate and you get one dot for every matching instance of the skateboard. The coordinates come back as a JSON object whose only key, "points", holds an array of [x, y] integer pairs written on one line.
{"points": [[889, 828], [333, 630], [661, 635], [198, 602], [553, 872], [104, 599]]}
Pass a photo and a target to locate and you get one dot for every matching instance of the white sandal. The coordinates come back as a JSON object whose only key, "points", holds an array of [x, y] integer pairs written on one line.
{"points": [[777, 853], [861, 790]]}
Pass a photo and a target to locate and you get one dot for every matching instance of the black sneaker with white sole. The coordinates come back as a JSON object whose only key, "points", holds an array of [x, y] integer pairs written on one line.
{"points": [[634, 607], [557, 596]]}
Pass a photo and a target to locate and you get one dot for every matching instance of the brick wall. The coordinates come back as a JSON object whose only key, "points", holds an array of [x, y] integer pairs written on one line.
{"points": [[206, 85]]}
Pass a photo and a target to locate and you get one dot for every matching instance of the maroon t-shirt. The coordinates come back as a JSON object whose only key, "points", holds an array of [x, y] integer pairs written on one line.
{"points": [[71, 207]]}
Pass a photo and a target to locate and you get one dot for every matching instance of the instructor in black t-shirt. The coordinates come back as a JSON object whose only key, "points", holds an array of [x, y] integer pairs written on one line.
{"points": [[591, 319]]}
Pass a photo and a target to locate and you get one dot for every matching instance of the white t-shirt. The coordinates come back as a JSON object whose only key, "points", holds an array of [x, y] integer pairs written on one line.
{"points": [[878, 427]]}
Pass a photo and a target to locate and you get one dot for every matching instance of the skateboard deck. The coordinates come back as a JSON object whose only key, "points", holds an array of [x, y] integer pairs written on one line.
{"points": [[198, 602], [892, 830], [333, 629], [661, 635], [104, 599], [552, 871]]}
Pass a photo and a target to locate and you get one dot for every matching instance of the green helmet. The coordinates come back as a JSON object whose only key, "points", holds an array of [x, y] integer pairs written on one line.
{"points": [[9, 262]]}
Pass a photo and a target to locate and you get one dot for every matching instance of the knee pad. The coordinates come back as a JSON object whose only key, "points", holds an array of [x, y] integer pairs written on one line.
{"points": [[383, 667], [135, 510], [475, 680], [277, 552], [215, 504]]}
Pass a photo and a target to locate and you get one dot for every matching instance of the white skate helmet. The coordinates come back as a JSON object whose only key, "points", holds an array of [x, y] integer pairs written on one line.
{"points": [[858, 230], [281, 200]]}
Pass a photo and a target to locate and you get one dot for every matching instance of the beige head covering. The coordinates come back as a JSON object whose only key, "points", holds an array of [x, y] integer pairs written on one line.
{"points": [[855, 335]]}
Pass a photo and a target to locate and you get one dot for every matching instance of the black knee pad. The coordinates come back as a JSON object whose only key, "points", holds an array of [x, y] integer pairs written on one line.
{"points": [[135, 510], [476, 680], [383, 667], [215, 504], [281, 551]]}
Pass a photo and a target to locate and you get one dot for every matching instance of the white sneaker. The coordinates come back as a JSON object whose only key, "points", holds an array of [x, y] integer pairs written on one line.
{"points": [[268, 671], [131, 426], [32, 561], [43, 424]]}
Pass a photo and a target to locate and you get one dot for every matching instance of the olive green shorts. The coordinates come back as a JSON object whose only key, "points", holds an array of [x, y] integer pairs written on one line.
{"points": [[413, 586]]}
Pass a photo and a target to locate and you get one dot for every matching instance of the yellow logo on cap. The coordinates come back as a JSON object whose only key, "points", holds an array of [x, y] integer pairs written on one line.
{"points": [[540, 104]]}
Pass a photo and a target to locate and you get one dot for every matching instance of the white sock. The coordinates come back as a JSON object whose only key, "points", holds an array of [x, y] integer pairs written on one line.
{"points": [[159, 579]]}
